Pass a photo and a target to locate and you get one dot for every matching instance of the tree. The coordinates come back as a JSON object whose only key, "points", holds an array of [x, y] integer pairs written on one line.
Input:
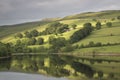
{"points": [[5, 49], [19, 35], [51, 39], [82, 33], [118, 17], [74, 26], [88, 27], [27, 34], [98, 44], [18, 42], [34, 33], [62, 28], [68, 48], [57, 43], [91, 44], [108, 24], [40, 41], [32, 41], [100, 74], [98, 25]]}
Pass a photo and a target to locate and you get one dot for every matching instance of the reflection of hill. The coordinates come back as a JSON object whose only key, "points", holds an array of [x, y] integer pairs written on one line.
{"points": [[53, 65]]}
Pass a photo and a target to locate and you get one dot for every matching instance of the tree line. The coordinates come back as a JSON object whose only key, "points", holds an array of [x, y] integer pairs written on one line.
{"points": [[5, 49]]}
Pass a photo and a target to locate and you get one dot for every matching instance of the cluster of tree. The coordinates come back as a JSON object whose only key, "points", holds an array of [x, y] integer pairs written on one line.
{"points": [[21, 47], [5, 49], [56, 44], [98, 25], [82, 33], [31, 41], [27, 34], [98, 44], [55, 28]]}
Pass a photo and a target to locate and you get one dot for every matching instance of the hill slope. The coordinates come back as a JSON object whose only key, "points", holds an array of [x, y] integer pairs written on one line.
{"points": [[105, 35]]}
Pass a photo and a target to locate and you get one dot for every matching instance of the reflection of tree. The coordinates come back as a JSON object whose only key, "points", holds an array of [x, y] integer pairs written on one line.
{"points": [[57, 71], [5, 63], [100, 74], [57, 61], [82, 68], [111, 75], [56, 66]]}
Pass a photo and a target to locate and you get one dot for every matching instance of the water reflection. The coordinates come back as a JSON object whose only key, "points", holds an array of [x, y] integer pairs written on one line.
{"points": [[54, 65]]}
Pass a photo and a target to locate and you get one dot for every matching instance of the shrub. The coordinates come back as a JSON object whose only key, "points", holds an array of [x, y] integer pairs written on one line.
{"points": [[40, 41], [19, 35], [98, 25], [108, 24]]}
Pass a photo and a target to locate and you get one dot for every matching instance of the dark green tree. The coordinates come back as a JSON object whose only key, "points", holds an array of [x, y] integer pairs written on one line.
{"points": [[74, 26], [118, 17], [63, 28], [27, 34], [19, 35], [91, 44], [82, 33], [32, 41], [5, 49], [98, 25], [34, 33], [109, 24], [68, 48], [57, 43], [40, 41]]}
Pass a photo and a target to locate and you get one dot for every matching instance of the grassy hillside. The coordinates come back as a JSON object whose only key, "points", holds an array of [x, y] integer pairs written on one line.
{"points": [[94, 15], [8, 30], [105, 35]]}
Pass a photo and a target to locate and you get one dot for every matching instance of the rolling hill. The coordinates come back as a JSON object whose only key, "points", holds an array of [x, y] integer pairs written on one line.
{"points": [[105, 35]]}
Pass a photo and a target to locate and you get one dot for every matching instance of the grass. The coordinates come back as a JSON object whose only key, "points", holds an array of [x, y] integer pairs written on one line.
{"points": [[104, 49], [104, 35]]}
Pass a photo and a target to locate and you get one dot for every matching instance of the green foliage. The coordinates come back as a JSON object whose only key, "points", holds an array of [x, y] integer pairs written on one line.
{"points": [[98, 25], [118, 17], [5, 49], [100, 74], [51, 39], [34, 33], [40, 41], [52, 28], [39, 49], [82, 33], [55, 28], [98, 44], [57, 43], [32, 41], [108, 24], [94, 20], [88, 27], [68, 48], [27, 34], [19, 35], [74, 26], [63, 28], [91, 44]]}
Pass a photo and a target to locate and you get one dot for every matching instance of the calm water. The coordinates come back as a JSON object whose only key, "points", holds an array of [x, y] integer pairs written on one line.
{"points": [[23, 76], [57, 67]]}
